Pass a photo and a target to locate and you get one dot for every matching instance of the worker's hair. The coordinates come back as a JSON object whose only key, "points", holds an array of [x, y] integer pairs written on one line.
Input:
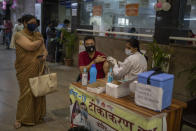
{"points": [[134, 43], [26, 18], [89, 38]]}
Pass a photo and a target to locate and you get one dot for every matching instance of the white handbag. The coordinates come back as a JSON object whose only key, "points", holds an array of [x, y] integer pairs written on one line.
{"points": [[44, 84]]}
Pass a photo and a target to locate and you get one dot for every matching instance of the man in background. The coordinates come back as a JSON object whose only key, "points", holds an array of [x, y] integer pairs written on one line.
{"points": [[8, 32]]}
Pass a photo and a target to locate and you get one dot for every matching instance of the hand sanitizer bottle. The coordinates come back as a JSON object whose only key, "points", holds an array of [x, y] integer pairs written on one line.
{"points": [[84, 78], [93, 74], [110, 76]]}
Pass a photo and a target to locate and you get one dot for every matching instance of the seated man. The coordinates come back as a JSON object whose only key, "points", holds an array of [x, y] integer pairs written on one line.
{"points": [[91, 56]]}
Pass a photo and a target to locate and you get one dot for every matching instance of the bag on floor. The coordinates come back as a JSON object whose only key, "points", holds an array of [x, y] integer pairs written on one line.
{"points": [[44, 84]]}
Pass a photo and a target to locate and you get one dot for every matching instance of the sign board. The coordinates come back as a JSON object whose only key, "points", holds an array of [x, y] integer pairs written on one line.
{"points": [[98, 114], [149, 96], [97, 10], [74, 12], [132, 9]]}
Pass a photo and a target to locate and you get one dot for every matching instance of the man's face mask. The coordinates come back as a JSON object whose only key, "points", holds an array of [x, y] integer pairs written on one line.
{"points": [[31, 27], [90, 49]]}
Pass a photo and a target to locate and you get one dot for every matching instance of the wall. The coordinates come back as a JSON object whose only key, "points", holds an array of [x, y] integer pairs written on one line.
{"points": [[182, 58]]}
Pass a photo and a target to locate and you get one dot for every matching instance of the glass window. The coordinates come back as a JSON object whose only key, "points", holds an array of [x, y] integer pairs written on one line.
{"points": [[113, 15]]}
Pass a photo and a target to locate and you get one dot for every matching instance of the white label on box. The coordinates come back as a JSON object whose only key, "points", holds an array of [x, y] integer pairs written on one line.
{"points": [[149, 96]]}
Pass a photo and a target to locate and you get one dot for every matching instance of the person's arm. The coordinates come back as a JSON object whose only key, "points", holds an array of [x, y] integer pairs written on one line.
{"points": [[87, 67], [26, 43], [45, 53], [98, 59], [121, 71], [106, 68]]}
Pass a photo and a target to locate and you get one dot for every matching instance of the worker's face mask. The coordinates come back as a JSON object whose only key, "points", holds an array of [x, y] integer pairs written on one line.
{"points": [[128, 52], [31, 27], [90, 49]]}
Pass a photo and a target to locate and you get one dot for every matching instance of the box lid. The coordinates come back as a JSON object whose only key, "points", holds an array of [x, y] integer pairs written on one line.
{"points": [[145, 74], [162, 77], [158, 77]]}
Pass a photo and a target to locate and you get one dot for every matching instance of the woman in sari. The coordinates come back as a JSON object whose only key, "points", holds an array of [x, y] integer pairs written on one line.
{"points": [[30, 55]]}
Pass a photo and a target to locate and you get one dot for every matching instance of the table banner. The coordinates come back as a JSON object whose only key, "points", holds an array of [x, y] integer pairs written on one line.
{"points": [[98, 114]]}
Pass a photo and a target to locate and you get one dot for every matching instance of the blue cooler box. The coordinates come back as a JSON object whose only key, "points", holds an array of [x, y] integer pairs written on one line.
{"points": [[164, 81]]}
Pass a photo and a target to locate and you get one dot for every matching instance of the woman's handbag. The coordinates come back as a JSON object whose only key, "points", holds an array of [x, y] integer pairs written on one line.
{"points": [[44, 84]]}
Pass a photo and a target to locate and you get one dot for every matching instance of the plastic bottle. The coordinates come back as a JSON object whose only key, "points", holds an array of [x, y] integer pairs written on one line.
{"points": [[84, 77], [110, 76], [93, 74]]}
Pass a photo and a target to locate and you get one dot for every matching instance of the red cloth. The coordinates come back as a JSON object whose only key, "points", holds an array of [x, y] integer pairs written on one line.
{"points": [[85, 60], [192, 36], [8, 26]]}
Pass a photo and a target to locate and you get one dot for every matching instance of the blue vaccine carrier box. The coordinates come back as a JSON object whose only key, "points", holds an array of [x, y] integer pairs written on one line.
{"points": [[164, 81]]}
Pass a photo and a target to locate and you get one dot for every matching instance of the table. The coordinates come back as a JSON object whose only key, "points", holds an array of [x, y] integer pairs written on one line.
{"points": [[101, 112]]}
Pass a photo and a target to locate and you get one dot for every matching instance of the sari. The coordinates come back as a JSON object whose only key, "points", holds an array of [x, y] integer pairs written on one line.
{"points": [[30, 110]]}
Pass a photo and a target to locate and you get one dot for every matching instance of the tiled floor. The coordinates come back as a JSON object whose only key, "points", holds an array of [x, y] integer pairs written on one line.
{"points": [[57, 118]]}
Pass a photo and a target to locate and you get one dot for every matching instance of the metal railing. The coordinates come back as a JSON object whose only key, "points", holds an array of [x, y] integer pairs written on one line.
{"points": [[117, 33], [182, 38], [137, 34]]}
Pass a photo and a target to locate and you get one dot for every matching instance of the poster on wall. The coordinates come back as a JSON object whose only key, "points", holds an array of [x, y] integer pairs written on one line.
{"points": [[132, 9], [97, 10], [74, 12]]}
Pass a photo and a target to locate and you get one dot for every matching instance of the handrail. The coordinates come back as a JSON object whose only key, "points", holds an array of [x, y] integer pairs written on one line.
{"points": [[182, 38], [135, 34], [117, 33]]}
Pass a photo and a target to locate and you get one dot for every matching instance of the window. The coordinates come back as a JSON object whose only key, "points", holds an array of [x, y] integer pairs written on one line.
{"points": [[113, 15]]}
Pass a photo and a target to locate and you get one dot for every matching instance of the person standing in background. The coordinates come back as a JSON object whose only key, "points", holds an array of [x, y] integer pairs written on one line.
{"points": [[17, 27], [48, 36], [191, 35], [133, 30], [92, 56], [38, 24], [65, 27], [8, 32]]}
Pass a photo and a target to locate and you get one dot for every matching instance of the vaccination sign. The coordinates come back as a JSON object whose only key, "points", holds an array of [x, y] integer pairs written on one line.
{"points": [[98, 114], [132, 9]]}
